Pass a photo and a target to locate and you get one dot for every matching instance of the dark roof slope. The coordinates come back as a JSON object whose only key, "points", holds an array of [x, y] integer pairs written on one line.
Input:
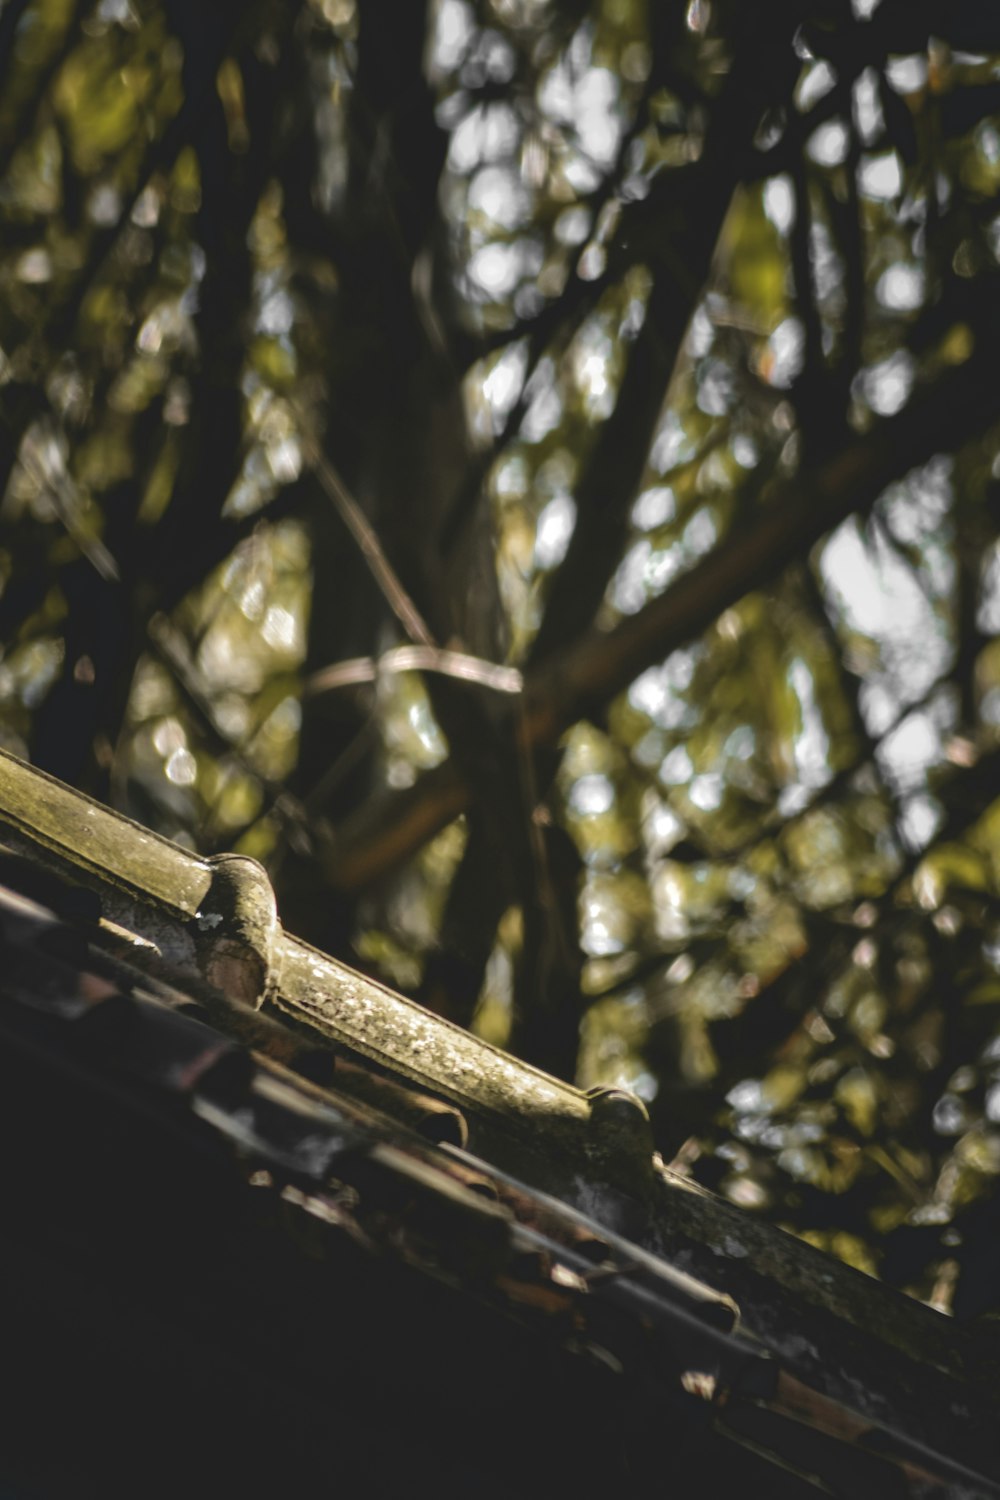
{"points": [[239, 1235]]}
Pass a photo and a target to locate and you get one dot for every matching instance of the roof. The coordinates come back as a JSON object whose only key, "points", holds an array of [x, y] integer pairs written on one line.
{"points": [[318, 1190]]}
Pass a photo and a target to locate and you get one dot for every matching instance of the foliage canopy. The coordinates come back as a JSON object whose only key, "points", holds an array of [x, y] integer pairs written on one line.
{"points": [[527, 470]]}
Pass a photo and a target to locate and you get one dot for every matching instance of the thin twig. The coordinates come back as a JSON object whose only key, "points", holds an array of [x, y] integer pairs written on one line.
{"points": [[381, 569], [415, 659]]}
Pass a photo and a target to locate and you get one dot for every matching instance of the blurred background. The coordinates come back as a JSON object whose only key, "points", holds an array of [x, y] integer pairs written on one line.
{"points": [[528, 471]]}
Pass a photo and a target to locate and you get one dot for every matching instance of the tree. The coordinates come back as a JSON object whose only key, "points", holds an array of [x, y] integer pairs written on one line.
{"points": [[526, 471]]}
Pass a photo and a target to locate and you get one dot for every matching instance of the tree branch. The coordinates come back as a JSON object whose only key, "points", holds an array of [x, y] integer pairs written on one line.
{"points": [[584, 675]]}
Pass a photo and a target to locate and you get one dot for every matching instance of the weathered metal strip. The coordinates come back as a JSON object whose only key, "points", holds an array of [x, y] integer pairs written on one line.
{"points": [[209, 920], [47, 816], [432, 1052]]}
